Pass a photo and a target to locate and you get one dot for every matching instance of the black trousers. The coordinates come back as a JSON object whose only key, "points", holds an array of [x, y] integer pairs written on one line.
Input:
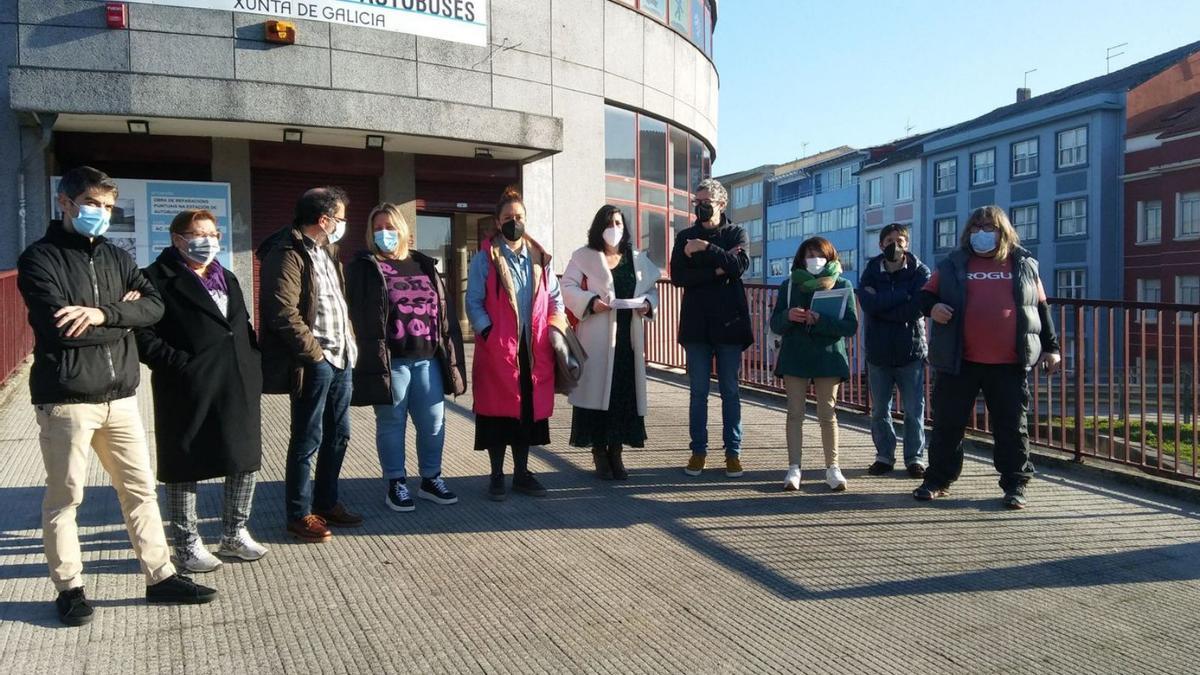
{"points": [[1006, 392]]}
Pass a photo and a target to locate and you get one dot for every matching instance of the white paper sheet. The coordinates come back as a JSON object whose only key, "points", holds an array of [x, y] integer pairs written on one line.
{"points": [[629, 303]]}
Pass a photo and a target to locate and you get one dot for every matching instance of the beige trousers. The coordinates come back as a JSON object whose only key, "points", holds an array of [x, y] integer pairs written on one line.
{"points": [[115, 431], [826, 390]]}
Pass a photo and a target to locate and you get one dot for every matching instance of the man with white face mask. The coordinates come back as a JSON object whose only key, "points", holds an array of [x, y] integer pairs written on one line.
{"points": [[85, 297], [309, 352]]}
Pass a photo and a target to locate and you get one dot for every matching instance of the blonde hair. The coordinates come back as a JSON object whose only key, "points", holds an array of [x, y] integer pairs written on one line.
{"points": [[397, 220], [1006, 235]]}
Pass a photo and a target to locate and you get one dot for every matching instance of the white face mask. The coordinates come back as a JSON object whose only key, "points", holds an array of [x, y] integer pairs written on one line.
{"points": [[814, 265], [612, 235], [339, 230]]}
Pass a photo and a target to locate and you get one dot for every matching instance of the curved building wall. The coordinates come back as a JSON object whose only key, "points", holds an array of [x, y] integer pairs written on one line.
{"points": [[537, 94]]}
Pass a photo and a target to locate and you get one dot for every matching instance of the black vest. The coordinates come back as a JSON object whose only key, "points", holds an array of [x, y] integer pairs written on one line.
{"points": [[946, 340]]}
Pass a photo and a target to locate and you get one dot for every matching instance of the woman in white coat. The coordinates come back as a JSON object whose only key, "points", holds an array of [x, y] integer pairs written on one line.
{"points": [[612, 290]]}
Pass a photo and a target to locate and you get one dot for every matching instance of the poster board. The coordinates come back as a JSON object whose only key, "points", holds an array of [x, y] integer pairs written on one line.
{"points": [[141, 218]]}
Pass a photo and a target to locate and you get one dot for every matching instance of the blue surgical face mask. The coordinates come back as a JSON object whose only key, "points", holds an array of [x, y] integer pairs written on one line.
{"points": [[983, 242], [92, 221], [202, 250], [387, 240]]}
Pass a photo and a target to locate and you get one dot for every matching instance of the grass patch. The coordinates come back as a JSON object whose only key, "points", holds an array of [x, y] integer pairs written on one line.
{"points": [[1135, 431]]}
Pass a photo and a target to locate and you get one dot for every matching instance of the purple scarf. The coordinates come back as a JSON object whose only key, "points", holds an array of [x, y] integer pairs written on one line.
{"points": [[214, 277]]}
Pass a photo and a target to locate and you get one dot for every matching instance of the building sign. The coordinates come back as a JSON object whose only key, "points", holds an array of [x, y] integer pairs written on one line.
{"points": [[141, 218], [453, 20]]}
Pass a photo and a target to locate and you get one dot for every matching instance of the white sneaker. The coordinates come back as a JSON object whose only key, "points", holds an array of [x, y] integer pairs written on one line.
{"points": [[198, 558], [834, 479], [243, 546], [792, 480]]}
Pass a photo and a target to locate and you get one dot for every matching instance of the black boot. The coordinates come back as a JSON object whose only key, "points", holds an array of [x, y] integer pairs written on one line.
{"points": [[604, 469], [618, 466]]}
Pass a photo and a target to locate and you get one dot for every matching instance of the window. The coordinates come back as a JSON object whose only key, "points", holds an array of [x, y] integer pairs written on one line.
{"points": [[946, 230], [1187, 292], [756, 193], [656, 8], [650, 171], [904, 186], [794, 227], [779, 266], [754, 229], [1025, 158], [837, 178], [681, 16], [1149, 226], [1072, 147], [756, 265], [947, 176], [1025, 221], [849, 259], [808, 221], [983, 167], [875, 192], [741, 196], [1187, 220], [848, 218], [825, 221], [1072, 217], [777, 230], [1149, 290], [1071, 284]]}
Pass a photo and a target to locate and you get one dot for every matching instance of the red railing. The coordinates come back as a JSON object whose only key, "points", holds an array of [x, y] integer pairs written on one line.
{"points": [[16, 337], [1127, 391]]}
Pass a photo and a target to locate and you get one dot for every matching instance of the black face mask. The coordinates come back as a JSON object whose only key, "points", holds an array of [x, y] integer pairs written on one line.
{"points": [[513, 230], [704, 212], [893, 253]]}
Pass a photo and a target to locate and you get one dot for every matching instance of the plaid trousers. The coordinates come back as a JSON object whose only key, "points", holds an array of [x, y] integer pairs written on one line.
{"points": [[181, 509]]}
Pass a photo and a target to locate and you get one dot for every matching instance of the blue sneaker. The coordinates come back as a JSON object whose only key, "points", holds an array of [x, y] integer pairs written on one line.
{"points": [[398, 498], [435, 490]]}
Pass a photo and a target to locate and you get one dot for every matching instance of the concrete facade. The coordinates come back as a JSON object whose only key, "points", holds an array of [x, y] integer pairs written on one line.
{"points": [[892, 206], [535, 95], [748, 195]]}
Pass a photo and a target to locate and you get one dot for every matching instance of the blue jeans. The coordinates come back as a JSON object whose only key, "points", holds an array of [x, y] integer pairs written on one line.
{"points": [[699, 369], [320, 428], [910, 379], [417, 391]]}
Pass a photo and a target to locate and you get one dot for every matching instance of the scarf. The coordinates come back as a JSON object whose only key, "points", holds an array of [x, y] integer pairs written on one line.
{"points": [[213, 278], [821, 281]]}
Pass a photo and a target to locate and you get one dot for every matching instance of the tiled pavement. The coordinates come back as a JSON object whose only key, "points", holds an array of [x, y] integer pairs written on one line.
{"points": [[664, 573]]}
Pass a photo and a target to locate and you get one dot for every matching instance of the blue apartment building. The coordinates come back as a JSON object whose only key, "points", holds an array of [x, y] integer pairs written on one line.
{"points": [[814, 196]]}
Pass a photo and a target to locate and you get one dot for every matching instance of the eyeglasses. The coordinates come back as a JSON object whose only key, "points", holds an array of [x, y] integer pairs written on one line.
{"points": [[985, 227], [698, 202]]}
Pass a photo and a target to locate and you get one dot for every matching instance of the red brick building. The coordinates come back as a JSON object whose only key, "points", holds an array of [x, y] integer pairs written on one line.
{"points": [[1162, 208]]}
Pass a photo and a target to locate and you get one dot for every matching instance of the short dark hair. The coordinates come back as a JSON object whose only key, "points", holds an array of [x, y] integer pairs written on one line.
{"points": [[83, 178], [821, 244], [595, 238], [182, 221], [317, 202], [893, 227]]}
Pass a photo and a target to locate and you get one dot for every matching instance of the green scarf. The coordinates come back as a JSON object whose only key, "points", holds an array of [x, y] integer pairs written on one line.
{"points": [[823, 280]]}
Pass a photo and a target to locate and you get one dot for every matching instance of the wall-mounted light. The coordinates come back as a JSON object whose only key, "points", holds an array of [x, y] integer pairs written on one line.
{"points": [[138, 126], [281, 32], [374, 142], [293, 136], [483, 153], [116, 15]]}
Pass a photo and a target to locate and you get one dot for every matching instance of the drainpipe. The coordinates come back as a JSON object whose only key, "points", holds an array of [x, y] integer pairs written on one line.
{"points": [[47, 125]]}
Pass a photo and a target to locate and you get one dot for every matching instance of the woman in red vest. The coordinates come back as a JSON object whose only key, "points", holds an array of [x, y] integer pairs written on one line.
{"points": [[513, 299]]}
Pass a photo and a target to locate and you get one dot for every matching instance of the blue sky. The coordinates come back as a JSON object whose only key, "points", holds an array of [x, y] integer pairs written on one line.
{"points": [[829, 73]]}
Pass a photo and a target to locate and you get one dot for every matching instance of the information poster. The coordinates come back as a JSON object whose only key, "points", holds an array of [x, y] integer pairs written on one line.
{"points": [[141, 218]]}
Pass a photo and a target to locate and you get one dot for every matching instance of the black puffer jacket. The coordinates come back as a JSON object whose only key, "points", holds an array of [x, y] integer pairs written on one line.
{"points": [[63, 269], [895, 334], [714, 308]]}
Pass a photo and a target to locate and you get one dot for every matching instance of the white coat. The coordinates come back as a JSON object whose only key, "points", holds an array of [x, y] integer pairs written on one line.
{"points": [[587, 276]]}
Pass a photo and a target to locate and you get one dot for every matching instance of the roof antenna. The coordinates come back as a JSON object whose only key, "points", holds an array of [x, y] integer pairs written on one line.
{"points": [[1025, 80], [908, 127], [804, 148], [1109, 56]]}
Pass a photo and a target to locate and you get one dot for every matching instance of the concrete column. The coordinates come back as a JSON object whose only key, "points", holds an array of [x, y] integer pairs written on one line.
{"points": [[398, 184], [231, 164]]}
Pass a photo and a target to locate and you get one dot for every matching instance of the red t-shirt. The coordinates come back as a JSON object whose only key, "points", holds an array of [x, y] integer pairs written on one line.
{"points": [[990, 332]]}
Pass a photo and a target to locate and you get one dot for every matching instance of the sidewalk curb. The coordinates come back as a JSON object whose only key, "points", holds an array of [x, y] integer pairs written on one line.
{"points": [[981, 447]]}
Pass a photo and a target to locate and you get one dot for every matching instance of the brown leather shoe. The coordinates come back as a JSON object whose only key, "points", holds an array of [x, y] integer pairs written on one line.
{"points": [[310, 528], [340, 516]]}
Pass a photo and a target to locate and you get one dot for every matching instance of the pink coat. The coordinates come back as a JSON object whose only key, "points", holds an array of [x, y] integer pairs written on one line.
{"points": [[495, 370]]}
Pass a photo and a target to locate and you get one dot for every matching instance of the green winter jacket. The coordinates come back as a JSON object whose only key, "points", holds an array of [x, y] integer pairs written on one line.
{"points": [[818, 350]]}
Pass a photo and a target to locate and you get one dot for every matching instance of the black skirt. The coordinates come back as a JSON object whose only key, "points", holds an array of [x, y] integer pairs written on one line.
{"points": [[498, 432]]}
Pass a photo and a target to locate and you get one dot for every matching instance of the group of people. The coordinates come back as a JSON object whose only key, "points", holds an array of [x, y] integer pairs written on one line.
{"points": [[381, 331]]}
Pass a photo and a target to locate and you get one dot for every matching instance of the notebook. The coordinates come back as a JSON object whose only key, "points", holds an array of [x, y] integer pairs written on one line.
{"points": [[831, 303]]}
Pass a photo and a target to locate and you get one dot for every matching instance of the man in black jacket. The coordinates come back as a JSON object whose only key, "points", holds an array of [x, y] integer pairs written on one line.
{"points": [[707, 262], [889, 292], [85, 296]]}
